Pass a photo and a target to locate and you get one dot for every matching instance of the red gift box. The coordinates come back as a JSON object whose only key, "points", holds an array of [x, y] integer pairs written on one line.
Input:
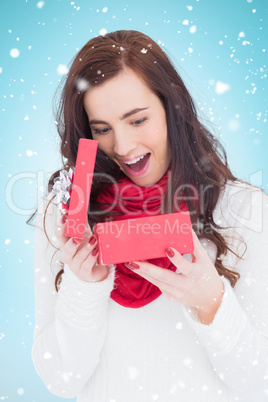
{"points": [[81, 188], [143, 238]]}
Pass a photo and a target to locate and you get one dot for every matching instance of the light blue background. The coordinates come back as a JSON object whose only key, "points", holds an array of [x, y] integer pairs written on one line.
{"points": [[229, 46]]}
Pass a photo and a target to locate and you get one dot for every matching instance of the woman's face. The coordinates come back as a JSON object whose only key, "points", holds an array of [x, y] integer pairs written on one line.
{"points": [[129, 122]]}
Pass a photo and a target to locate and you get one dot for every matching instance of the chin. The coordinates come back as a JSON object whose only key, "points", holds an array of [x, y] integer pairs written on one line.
{"points": [[144, 182]]}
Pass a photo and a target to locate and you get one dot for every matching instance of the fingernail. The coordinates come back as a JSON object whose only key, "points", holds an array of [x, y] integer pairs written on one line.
{"points": [[63, 219], [95, 251], [170, 252], [76, 241], [132, 265], [92, 240]]}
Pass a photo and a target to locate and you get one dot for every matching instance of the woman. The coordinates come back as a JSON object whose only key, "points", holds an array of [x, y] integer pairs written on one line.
{"points": [[180, 328]]}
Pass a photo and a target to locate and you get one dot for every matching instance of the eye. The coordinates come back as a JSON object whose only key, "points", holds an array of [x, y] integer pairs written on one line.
{"points": [[138, 122], [103, 131]]}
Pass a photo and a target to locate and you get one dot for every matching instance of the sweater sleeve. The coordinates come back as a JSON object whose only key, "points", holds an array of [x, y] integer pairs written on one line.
{"points": [[237, 340], [71, 324]]}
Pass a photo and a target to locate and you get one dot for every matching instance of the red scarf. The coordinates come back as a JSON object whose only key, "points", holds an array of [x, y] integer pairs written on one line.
{"points": [[133, 201]]}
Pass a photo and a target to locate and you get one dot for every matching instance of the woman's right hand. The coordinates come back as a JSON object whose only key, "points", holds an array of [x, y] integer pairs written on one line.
{"points": [[81, 255]]}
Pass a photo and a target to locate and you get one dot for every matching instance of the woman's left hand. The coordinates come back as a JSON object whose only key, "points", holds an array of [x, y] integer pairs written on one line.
{"points": [[197, 285]]}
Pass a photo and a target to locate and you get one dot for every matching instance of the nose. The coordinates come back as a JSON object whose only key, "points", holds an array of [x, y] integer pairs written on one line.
{"points": [[123, 143]]}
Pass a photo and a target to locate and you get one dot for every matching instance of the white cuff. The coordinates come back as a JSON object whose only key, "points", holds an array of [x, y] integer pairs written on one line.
{"points": [[222, 335], [82, 302]]}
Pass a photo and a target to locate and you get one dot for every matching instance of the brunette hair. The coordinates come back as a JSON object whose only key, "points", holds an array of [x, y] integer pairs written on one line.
{"points": [[198, 160]]}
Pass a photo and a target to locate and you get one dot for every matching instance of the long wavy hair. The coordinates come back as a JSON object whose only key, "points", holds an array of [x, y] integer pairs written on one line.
{"points": [[197, 157]]}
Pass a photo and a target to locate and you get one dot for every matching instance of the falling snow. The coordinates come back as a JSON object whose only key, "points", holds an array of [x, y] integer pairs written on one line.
{"points": [[62, 69], [193, 29], [66, 376], [40, 4], [82, 85], [132, 372], [187, 362], [221, 87], [103, 32], [14, 53], [179, 325], [246, 64], [234, 125]]}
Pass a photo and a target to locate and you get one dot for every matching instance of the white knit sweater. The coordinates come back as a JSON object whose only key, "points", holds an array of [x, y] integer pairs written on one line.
{"points": [[87, 345]]}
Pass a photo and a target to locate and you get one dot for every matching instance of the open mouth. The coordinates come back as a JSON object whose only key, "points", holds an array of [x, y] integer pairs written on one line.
{"points": [[137, 164]]}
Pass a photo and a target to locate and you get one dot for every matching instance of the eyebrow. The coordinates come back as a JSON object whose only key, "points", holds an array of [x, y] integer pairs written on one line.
{"points": [[134, 111]]}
